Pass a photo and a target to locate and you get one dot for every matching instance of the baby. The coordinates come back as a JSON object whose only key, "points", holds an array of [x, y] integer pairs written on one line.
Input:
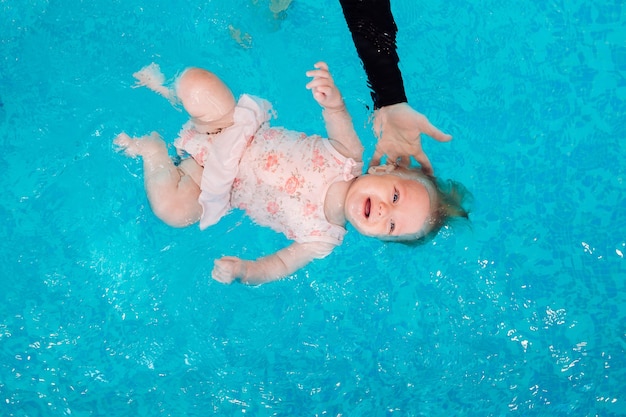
{"points": [[306, 187]]}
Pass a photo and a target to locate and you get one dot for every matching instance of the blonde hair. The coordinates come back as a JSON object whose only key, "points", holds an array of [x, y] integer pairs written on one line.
{"points": [[452, 199]]}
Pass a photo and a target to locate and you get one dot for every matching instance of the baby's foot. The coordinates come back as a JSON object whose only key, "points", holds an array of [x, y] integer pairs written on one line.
{"points": [[151, 76], [143, 146]]}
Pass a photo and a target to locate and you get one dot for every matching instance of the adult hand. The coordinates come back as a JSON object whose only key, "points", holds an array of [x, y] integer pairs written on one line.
{"points": [[399, 128]]}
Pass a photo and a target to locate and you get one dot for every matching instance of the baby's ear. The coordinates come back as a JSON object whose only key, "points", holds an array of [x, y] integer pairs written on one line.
{"points": [[381, 169]]}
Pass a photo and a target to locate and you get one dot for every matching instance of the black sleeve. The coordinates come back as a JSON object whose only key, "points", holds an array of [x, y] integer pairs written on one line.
{"points": [[374, 33]]}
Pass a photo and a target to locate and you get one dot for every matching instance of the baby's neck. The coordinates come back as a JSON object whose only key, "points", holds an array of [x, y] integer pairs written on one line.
{"points": [[334, 202]]}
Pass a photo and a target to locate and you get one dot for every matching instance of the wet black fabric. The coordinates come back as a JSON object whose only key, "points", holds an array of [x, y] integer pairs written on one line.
{"points": [[374, 33]]}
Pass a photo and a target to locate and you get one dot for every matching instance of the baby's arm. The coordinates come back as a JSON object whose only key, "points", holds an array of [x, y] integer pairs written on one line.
{"points": [[338, 121], [269, 268]]}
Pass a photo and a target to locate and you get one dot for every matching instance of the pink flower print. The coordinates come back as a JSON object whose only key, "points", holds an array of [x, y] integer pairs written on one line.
{"points": [[236, 183], [272, 207], [316, 232], [271, 162], [309, 209], [270, 134], [200, 156], [186, 135], [292, 184], [318, 160]]}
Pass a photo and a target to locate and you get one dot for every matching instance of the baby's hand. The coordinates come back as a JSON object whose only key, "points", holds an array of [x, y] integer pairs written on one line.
{"points": [[228, 269], [323, 87]]}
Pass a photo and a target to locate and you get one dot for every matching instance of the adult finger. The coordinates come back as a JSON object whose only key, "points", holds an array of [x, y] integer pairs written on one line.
{"points": [[424, 162], [435, 133], [403, 161]]}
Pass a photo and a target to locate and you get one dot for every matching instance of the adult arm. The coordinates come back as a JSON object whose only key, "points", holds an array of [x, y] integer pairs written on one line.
{"points": [[374, 31], [396, 124]]}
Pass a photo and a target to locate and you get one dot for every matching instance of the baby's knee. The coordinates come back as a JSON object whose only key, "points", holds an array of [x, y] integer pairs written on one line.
{"points": [[204, 95]]}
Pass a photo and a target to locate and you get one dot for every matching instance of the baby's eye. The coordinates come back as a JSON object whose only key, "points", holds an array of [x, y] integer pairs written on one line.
{"points": [[396, 195], [392, 227]]}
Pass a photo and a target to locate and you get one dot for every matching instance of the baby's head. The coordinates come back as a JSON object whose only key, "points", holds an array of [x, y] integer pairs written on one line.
{"points": [[401, 204], [209, 102]]}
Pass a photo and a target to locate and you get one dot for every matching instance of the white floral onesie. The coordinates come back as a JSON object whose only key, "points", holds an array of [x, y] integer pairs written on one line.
{"points": [[279, 177], [282, 183]]}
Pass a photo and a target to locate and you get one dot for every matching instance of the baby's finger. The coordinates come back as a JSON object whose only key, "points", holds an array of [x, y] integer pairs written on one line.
{"points": [[319, 82], [323, 89], [218, 269], [320, 71], [321, 64], [320, 76], [219, 275]]}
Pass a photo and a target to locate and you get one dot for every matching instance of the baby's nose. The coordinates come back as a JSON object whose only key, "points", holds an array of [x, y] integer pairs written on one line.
{"points": [[383, 208]]}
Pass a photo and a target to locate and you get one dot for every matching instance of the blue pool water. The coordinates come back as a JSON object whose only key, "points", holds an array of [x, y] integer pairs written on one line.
{"points": [[106, 311]]}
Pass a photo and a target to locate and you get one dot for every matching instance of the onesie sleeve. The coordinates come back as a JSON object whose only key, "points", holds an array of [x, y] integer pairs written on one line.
{"points": [[374, 34]]}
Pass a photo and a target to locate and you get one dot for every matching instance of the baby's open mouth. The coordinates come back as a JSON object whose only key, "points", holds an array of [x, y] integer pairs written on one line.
{"points": [[368, 206]]}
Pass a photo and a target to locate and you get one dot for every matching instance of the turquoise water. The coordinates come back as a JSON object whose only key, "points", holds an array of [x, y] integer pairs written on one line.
{"points": [[106, 311]]}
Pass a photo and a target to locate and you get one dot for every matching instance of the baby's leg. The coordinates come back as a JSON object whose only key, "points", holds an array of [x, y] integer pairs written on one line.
{"points": [[172, 193], [191, 168]]}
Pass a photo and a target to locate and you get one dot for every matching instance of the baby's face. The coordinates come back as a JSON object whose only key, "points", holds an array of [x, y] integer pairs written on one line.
{"points": [[388, 206]]}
